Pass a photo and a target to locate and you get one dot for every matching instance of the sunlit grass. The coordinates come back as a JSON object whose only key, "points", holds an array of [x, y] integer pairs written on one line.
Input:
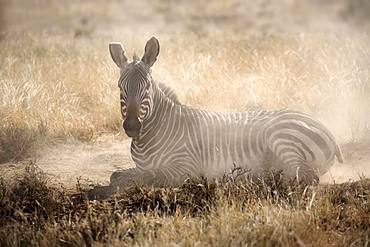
{"points": [[69, 86]]}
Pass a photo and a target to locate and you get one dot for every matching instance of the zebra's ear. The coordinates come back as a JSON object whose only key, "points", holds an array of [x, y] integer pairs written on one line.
{"points": [[117, 54], [151, 52]]}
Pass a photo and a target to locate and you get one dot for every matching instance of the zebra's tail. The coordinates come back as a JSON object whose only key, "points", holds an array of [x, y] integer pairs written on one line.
{"points": [[339, 154]]}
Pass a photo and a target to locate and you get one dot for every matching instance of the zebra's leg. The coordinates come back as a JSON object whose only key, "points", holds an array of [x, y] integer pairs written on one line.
{"points": [[117, 179], [100, 192], [295, 166], [305, 173], [293, 162], [123, 177], [131, 176]]}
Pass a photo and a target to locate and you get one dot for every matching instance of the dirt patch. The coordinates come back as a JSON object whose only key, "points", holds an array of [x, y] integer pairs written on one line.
{"points": [[89, 162]]}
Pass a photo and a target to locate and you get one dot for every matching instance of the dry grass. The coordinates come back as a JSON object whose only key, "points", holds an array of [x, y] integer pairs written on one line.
{"points": [[64, 88], [263, 212], [55, 88]]}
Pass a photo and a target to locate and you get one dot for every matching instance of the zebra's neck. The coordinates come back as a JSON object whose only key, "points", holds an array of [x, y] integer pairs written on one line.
{"points": [[162, 107]]}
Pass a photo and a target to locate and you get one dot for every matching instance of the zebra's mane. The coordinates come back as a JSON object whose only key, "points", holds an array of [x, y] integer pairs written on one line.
{"points": [[168, 92], [135, 57]]}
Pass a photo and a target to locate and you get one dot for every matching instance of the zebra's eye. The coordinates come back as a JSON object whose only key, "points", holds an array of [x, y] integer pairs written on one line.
{"points": [[122, 95]]}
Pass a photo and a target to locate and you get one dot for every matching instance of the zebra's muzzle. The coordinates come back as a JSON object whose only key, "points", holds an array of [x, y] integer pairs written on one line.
{"points": [[132, 127]]}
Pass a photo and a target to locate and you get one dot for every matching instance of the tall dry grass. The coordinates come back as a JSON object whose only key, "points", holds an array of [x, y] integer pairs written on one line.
{"points": [[65, 89], [55, 87], [326, 76]]}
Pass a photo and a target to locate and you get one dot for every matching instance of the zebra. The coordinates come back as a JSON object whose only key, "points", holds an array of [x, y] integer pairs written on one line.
{"points": [[170, 139], [168, 92]]}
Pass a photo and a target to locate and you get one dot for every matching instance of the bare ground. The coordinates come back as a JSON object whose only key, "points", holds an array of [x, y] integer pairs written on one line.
{"points": [[93, 163], [67, 162]]}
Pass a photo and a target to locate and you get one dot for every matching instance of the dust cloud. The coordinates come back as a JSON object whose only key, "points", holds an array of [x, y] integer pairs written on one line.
{"points": [[2, 24]]}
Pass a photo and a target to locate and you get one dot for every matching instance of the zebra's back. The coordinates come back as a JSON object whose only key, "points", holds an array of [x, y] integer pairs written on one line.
{"points": [[257, 140]]}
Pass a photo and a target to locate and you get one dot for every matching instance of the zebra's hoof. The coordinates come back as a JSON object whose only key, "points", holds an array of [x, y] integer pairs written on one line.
{"points": [[100, 192]]}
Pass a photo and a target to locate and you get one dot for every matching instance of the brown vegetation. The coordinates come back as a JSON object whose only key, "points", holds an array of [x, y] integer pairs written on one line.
{"points": [[263, 212]]}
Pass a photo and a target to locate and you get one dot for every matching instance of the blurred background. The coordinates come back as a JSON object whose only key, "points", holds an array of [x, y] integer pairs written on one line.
{"points": [[59, 101], [82, 17]]}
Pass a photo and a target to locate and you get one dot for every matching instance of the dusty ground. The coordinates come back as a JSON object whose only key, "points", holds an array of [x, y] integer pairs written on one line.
{"points": [[95, 160]]}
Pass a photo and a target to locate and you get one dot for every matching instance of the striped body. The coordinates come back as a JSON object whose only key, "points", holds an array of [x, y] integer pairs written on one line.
{"points": [[178, 140]]}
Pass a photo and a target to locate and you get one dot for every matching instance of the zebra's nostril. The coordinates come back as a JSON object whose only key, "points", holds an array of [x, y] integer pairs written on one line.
{"points": [[132, 127]]}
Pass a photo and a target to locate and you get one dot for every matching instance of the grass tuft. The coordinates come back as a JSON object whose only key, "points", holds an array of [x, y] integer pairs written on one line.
{"points": [[18, 139]]}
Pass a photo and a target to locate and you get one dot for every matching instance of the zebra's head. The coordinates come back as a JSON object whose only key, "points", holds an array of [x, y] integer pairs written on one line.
{"points": [[135, 84]]}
